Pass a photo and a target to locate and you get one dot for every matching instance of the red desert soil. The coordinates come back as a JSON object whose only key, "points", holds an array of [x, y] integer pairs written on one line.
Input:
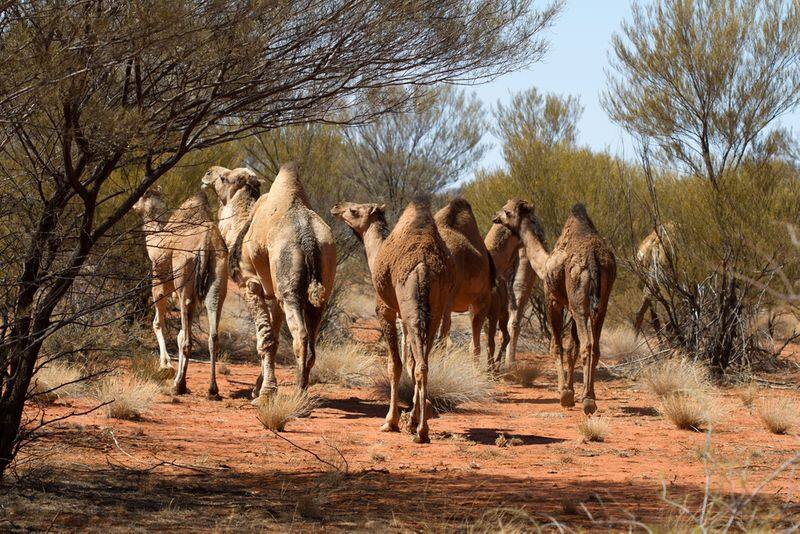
{"points": [[222, 471]]}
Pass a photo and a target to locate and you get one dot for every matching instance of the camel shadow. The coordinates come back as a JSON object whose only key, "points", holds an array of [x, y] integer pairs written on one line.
{"points": [[355, 408], [510, 400], [639, 410], [488, 436]]}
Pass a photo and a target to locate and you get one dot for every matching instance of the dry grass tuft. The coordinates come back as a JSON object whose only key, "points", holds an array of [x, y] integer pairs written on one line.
{"points": [[593, 429], [128, 398], [691, 410], [147, 367], [777, 414], [308, 507], [748, 394], [621, 343], [55, 380], [675, 375], [279, 408], [524, 373], [348, 364], [454, 378]]}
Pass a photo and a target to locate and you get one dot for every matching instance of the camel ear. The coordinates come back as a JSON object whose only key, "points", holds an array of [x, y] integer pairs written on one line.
{"points": [[378, 208], [525, 208]]}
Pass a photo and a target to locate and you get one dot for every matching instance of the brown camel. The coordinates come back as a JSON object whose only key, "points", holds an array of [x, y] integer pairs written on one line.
{"points": [[515, 272], [283, 256], [189, 258], [474, 269], [654, 256], [578, 275], [412, 272]]}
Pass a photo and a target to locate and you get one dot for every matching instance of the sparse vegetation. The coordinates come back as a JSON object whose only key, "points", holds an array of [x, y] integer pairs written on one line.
{"points": [[593, 429], [691, 410], [127, 397], [524, 373], [276, 410], [777, 414], [748, 394], [454, 379], [55, 380], [346, 364], [621, 343], [145, 366], [673, 375]]}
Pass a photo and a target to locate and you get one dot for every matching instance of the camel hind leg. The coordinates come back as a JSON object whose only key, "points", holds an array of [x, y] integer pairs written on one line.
{"points": [[160, 326], [184, 342], [295, 320], [213, 302], [388, 318], [519, 291]]}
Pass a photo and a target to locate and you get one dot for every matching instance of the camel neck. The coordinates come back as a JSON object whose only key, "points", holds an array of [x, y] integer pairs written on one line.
{"points": [[234, 216], [534, 249], [153, 228], [373, 241]]}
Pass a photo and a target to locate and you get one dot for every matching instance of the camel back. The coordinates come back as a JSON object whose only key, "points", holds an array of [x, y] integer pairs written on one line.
{"points": [[457, 215], [413, 240], [578, 229], [286, 190]]}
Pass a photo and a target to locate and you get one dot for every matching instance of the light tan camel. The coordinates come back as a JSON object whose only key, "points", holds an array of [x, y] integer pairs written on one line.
{"points": [[578, 275], [412, 272], [474, 269], [514, 271], [189, 258], [285, 255], [654, 256]]}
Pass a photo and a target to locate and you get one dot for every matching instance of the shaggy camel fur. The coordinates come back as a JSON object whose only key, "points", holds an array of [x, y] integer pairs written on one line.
{"points": [[189, 258], [654, 256], [412, 272], [578, 275], [515, 272], [474, 269], [283, 253]]}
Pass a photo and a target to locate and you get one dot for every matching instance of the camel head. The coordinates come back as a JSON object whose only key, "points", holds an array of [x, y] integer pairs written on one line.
{"points": [[513, 215], [359, 217], [227, 182], [151, 204]]}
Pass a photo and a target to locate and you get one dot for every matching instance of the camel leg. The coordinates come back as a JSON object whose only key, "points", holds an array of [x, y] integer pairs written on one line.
{"points": [[503, 325], [411, 366], [160, 326], [387, 318], [184, 344], [295, 320], [313, 320], [213, 302], [572, 356], [491, 332], [637, 323], [478, 317], [266, 342], [554, 316], [589, 398], [584, 331], [519, 291]]}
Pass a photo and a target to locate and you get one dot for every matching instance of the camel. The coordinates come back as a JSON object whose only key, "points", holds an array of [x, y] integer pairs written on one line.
{"points": [[413, 275], [515, 272], [189, 259], [654, 256], [578, 274], [474, 274], [284, 257], [497, 317]]}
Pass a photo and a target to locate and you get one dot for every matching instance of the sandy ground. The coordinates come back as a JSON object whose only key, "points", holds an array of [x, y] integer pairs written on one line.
{"points": [[191, 464]]}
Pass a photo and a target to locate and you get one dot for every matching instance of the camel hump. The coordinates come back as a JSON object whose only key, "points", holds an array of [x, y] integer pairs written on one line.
{"points": [[416, 216], [287, 187], [457, 214]]}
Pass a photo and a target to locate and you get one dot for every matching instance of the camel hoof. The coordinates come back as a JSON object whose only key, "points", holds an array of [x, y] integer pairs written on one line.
{"points": [[589, 406], [179, 389], [390, 427], [420, 438], [213, 396], [567, 398]]}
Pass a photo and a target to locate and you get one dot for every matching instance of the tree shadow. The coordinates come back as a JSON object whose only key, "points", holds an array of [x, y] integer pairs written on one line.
{"points": [[355, 408], [648, 411]]}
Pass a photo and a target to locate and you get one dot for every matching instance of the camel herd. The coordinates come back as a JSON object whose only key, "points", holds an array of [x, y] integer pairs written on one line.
{"points": [[282, 256]]}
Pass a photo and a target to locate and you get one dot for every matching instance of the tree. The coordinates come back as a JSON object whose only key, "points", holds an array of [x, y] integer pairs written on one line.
{"points": [[421, 151], [700, 82], [101, 99]]}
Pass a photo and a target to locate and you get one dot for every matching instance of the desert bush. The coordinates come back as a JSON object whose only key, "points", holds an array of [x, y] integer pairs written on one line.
{"points": [[347, 364], [593, 429], [454, 378], [673, 375], [127, 398], [279, 408], [777, 414], [55, 380], [622, 343], [524, 373], [691, 409]]}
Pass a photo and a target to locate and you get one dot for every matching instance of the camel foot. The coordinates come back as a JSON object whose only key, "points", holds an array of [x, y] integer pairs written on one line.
{"points": [[421, 438], [589, 406], [179, 389], [390, 427], [214, 396], [568, 398]]}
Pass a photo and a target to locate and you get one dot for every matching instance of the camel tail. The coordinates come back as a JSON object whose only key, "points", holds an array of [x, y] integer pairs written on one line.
{"points": [[316, 293], [235, 256], [202, 269], [594, 285]]}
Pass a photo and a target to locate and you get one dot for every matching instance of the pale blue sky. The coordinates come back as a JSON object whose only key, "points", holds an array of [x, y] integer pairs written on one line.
{"points": [[574, 64]]}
